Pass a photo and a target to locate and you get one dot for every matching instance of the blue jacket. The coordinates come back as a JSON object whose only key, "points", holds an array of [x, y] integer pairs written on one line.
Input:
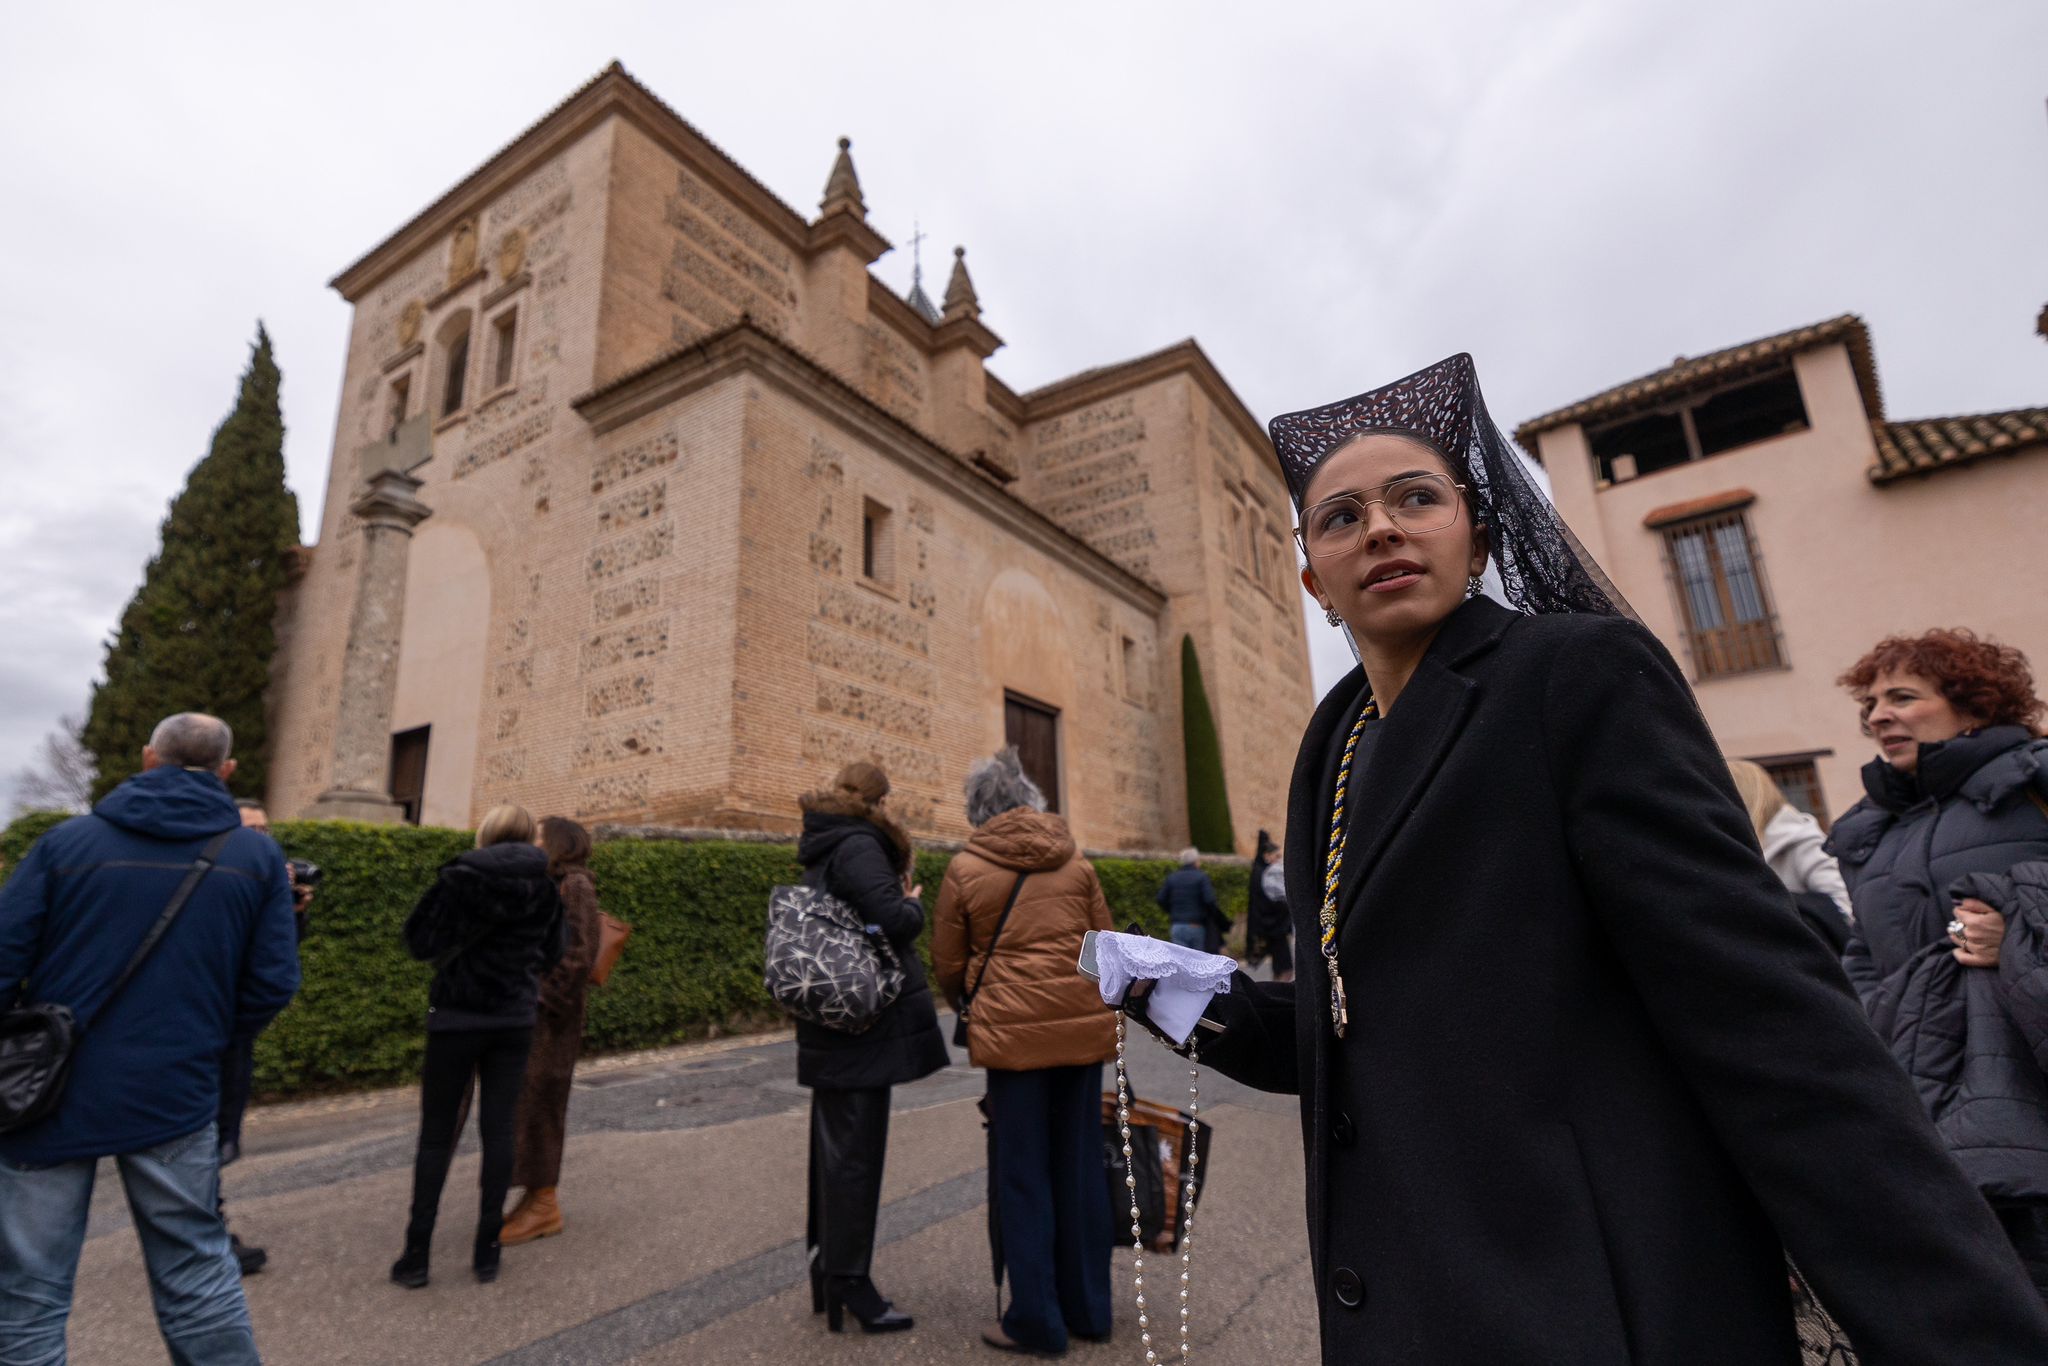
{"points": [[1188, 897], [148, 1069]]}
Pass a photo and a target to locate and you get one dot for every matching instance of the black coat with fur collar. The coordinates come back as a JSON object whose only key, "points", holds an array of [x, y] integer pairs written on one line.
{"points": [[1597, 1073], [850, 857], [491, 924]]}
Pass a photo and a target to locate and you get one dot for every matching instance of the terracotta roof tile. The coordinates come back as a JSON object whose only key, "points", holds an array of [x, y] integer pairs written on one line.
{"points": [[1927, 444], [1716, 368]]}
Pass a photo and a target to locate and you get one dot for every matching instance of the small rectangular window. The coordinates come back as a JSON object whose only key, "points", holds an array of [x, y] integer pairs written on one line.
{"points": [[1799, 780], [458, 375], [401, 397], [1133, 671], [506, 331], [877, 542], [1729, 624]]}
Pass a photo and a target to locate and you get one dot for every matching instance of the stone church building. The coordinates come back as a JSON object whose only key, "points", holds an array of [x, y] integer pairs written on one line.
{"points": [[649, 502]]}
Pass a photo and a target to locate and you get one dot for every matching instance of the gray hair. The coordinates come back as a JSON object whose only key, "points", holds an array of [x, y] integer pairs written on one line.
{"points": [[192, 739], [1189, 858], [998, 784]]}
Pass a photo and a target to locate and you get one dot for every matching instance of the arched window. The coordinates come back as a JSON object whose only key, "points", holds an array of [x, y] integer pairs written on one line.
{"points": [[453, 344]]}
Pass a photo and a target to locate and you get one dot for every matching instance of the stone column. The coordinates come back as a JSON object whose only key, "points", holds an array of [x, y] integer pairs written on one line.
{"points": [[361, 771]]}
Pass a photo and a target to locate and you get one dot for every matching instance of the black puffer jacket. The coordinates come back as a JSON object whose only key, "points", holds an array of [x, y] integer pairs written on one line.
{"points": [[495, 917], [1965, 809], [850, 857], [1975, 1040]]}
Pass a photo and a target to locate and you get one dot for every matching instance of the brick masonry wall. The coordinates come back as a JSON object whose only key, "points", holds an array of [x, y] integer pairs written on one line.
{"points": [[676, 625]]}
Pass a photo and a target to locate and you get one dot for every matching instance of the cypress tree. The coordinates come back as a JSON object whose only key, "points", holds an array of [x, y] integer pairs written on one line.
{"points": [[198, 634], [1209, 827]]}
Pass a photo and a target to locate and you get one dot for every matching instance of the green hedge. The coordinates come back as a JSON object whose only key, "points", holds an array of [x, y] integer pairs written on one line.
{"points": [[694, 965]]}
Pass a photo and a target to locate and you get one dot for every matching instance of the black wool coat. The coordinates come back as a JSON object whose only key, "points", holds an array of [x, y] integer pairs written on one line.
{"points": [[853, 860], [491, 923], [1597, 1072]]}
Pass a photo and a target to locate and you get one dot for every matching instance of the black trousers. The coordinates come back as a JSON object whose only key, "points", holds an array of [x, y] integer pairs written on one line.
{"points": [[849, 1140], [1051, 1202], [454, 1056]]}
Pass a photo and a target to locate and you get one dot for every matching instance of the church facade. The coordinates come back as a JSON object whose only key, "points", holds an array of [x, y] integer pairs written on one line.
{"points": [[651, 503]]}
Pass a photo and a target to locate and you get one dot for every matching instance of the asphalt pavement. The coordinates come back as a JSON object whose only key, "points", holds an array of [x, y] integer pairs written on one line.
{"points": [[683, 1195]]}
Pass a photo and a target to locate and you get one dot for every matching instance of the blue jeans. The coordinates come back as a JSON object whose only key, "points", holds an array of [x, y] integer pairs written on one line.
{"points": [[1189, 936], [193, 1278], [1051, 1202]]}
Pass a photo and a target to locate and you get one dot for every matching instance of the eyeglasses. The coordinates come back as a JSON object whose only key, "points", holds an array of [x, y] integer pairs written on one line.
{"points": [[1418, 505]]}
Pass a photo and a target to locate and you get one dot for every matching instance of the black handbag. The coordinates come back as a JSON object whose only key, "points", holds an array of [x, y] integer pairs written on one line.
{"points": [[820, 964], [967, 1001], [38, 1041]]}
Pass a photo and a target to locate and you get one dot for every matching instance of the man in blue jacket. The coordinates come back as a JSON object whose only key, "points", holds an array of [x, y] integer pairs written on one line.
{"points": [[145, 1079], [1194, 919]]}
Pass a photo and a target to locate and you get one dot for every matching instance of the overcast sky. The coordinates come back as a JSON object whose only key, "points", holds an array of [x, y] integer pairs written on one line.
{"points": [[1325, 196]]}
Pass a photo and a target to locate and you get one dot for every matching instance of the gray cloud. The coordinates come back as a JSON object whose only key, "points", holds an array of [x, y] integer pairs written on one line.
{"points": [[1327, 196]]}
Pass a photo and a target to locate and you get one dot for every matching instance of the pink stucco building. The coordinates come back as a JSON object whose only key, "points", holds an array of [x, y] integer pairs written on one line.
{"points": [[1769, 522]]}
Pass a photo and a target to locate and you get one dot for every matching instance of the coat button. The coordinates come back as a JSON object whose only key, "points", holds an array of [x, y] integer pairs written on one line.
{"points": [[1345, 1285], [1343, 1130]]}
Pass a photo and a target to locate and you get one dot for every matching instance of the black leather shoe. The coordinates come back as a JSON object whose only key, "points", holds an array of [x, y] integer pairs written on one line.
{"points": [[485, 1262], [250, 1259], [857, 1295], [410, 1270]]}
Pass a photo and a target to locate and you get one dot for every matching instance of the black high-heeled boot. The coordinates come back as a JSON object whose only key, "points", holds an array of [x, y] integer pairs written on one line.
{"points": [[410, 1270], [857, 1295], [817, 1283], [484, 1261]]}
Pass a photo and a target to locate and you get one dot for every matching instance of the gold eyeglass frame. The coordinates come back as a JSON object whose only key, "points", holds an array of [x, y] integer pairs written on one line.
{"points": [[1364, 504]]}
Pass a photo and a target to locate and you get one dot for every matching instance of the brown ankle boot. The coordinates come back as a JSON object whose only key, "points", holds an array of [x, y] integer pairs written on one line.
{"points": [[536, 1216]]}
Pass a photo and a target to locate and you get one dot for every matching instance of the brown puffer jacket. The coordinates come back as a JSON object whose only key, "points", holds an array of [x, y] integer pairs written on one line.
{"points": [[1031, 1009]]}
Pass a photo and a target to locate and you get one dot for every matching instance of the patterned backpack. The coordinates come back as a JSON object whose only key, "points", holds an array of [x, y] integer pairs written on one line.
{"points": [[823, 965]]}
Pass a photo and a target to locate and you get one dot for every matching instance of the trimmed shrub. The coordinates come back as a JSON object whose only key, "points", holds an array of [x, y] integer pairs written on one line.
{"points": [[694, 966]]}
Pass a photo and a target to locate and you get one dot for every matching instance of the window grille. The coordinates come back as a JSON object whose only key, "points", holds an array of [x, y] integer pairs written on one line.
{"points": [[1729, 625]]}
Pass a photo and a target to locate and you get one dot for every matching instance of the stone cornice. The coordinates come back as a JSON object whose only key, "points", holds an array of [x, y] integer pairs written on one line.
{"points": [[611, 93], [897, 312], [1003, 399], [744, 348], [966, 330], [844, 227], [1183, 357]]}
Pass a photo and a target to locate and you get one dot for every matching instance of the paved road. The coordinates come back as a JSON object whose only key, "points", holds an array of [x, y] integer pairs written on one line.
{"points": [[684, 1195]]}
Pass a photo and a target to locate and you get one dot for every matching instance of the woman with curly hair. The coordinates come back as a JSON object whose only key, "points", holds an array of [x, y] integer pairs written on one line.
{"points": [[1957, 802]]}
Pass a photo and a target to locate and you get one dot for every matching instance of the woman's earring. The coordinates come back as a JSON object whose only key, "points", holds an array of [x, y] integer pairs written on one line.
{"points": [[1330, 615], [1475, 587]]}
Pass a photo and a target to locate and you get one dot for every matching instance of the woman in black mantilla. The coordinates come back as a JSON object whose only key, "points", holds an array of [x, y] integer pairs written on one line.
{"points": [[1573, 1076]]}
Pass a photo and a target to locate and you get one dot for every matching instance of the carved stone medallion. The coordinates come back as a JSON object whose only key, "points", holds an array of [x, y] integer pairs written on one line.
{"points": [[511, 253], [462, 253], [409, 323]]}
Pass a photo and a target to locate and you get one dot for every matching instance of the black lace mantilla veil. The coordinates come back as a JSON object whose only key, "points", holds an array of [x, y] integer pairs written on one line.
{"points": [[1543, 568]]}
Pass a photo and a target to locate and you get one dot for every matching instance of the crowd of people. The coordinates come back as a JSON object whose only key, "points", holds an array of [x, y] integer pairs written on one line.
{"points": [[1606, 1051]]}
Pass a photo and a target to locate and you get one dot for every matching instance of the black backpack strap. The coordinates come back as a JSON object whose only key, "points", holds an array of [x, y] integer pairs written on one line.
{"points": [[1008, 906], [200, 868]]}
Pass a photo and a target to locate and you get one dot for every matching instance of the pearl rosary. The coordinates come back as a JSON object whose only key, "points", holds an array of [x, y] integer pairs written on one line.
{"points": [[1187, 1176]]}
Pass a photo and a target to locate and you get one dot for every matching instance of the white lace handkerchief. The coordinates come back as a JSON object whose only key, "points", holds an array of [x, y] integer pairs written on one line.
{"points": [[1184, 979]]}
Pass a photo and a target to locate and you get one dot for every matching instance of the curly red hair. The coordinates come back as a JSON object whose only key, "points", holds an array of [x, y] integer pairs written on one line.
{"points": [[1980, 678]]}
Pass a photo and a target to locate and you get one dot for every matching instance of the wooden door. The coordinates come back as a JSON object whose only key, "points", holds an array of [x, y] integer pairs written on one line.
{"points": [[409, 771], [1034, 729]]}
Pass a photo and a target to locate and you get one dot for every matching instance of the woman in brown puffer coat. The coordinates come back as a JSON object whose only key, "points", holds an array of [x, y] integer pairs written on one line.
{"points": [[543, 1120], [1043, 1034]]}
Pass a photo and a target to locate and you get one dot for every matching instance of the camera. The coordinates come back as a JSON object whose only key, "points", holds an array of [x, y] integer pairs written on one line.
{"points": [[304, 873]]}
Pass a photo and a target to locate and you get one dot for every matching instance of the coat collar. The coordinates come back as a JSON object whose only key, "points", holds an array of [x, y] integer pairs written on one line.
{"points": [[1431, 712]]}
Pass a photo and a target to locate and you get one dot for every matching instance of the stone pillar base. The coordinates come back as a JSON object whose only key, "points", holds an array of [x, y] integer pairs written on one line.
{"points": [[342, 804]]}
